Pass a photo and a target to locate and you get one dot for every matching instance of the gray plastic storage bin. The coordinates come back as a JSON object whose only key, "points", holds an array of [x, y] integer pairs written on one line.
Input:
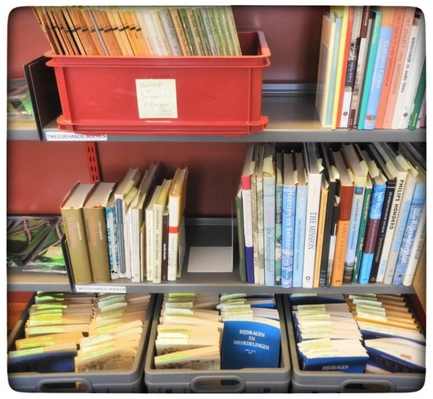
{"points": [[252, 380], [341, 382], [93, 382]]}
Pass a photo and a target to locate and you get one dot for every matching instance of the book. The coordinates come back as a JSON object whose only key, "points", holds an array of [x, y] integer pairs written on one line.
{"points": [[359, 170], [240, 234], [170, 31], [136, 219], [127, 185], [411, 181], [246, 176], [345, 193], [380, 63], [160, 207], [345, 13], [415, 75], [386, 119], [269, 181], [300, 217], [150, 233], [193, 23], [176, 209], [327, 47], [397, 28], [258, 232], [373, 220], [345, 50], [71, 210], [419, 100], [413, 223], [188, 31], [208, 30], [111, 225], [371, 59], [96, 231], [251, 344], [288, 219], [364, 41], [279, 167], [206, 358], [314, 184], [344, 113], [330, 183], [362, 231], [417, 34]]}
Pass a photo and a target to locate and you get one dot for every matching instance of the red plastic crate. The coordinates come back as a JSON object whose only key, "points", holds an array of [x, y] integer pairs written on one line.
{"points": [[215, 95]]}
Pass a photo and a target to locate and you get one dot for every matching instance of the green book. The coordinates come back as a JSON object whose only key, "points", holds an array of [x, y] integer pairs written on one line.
{"points": [[187, 30], [419, 97], [215, 30], [202, 30]]}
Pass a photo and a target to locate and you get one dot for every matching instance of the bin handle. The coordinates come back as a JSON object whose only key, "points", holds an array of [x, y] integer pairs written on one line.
{"points": [[43, 385], [345, 387], [239, 387], [264, 45]]}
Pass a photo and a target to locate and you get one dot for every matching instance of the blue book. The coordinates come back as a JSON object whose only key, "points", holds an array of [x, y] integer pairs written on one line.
{"points": [[377, 20], [288, 221], [251, 344], [300, 215], [334, 64], [269, 213], [382, 52], [412, 224], [113, 250]]}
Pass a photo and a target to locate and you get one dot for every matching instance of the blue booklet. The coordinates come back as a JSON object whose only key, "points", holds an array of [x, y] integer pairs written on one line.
{"points": [[251, 344]]}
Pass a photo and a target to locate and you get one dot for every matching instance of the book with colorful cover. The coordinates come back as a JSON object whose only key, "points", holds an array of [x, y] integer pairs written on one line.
{"points": [[383, 43], [288, 220], [419, 99]]}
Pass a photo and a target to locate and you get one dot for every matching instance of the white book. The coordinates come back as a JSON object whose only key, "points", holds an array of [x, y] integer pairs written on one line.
{"points": [[254, 214], [170, 31], [314, 186], [269, 181], [406, 200], [413, 39], [400, 177], [150, 238], [259, 268]]}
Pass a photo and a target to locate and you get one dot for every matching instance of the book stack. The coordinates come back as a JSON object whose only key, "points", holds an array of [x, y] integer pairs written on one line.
{"points": [[140, 31], [392, 337], [114, 334], [189, 333], [323, 215], [327, 336], [252, 331], [128, 229], [55, 325], [372, 72]]}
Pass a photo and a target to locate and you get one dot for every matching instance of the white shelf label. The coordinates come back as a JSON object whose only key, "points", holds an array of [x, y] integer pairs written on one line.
{"points": [[113, 289], [60, 136], [156, 98]]}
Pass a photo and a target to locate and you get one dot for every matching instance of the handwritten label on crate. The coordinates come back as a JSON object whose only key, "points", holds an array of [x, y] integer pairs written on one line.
{"points": [[113, 289], [156, 98]]}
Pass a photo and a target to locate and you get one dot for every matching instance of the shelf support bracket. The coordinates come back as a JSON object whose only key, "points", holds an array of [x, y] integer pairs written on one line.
{"points": [[92, 161]]}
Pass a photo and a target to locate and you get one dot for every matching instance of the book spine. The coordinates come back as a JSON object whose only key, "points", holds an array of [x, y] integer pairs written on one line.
{"points": [[311, 226], [208, 29], [241, 238], [110, 216], [199, 45], [346, 200], [298, 249], [398, 67], [188, 31], [412, 224], [376, 85], [377, 19], [360, 67], [332, 242], [419, 99], [248, 228], [320, 236], [278, 232], [415, 254], [202, 31], [387, 77], [120, 235], [361, 236], [288, 234], [96, 234], [170, 31], [372, 230], [400, 227], [254, 212], [269, 229], [134, 239], [149, 243], [383, 226], [391, 227], [259, 267], [75, 231], [164, 254]]}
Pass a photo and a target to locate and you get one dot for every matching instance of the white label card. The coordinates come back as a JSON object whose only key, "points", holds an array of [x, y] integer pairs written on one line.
{"points": [[157, 98], [114, 289]]}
